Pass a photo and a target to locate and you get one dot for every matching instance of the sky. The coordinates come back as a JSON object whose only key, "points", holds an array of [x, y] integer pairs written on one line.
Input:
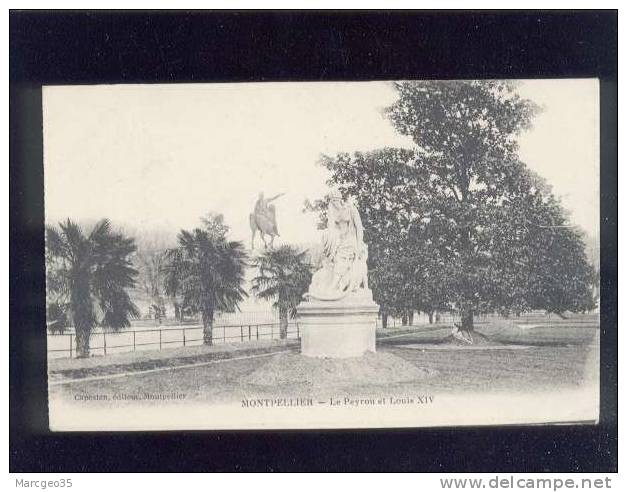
{"points": [[157, 157]]}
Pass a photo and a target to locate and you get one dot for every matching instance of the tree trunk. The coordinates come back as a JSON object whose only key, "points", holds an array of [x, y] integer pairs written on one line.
{"points": [[466, 256], [82, 342], [82, 315], [467, 320], [384, 320], [404, 318], [430, 313], [207, 326], [410, 318], [283, 323]]}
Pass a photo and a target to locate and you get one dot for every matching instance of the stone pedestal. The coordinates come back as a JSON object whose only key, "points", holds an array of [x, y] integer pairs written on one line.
{"points": [[339, 329]]}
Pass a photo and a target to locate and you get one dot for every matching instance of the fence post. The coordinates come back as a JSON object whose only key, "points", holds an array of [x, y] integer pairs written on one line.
{"points": [[257, 329], [272, 331], [241, 333], [297, 331], [104, 342], [183, 337], [159, 339], [133, 340], [249, 333], [70, 345]]}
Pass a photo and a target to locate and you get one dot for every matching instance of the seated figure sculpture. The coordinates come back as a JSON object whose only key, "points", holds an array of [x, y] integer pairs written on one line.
{"points": [[344, 254]]}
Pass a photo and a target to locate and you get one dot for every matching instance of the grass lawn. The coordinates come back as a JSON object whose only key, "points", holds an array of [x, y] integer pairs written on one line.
{"points": [[543, 355]]}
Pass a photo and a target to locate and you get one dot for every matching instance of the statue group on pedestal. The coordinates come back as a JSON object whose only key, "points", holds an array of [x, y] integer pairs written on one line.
{"points": [[344, 253]]}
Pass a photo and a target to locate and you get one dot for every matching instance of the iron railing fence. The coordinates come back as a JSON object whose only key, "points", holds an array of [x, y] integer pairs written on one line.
{"points": [[158, 338], [421, 319], [105, 342]]}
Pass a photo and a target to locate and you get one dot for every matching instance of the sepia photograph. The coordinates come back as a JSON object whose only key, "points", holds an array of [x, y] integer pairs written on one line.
{"points": [[322, 255]]}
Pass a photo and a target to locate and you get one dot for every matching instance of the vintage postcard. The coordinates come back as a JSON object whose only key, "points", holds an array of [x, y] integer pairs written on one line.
{"points": [[322, 255]]}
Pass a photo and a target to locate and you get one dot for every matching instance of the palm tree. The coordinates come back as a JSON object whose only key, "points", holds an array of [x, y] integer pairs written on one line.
{"points": [[207, 271], [284, 276], [94, 271]]}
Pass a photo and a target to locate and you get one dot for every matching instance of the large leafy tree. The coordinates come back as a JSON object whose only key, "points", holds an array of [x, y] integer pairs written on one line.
{"points": [[467, 135], [537, 258], [406, 265], [93, 273], [459, 213], [207, 272], [284, 276]]}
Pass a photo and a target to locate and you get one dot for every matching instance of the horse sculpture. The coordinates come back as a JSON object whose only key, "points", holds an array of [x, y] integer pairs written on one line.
{"points": [[263, 219]]}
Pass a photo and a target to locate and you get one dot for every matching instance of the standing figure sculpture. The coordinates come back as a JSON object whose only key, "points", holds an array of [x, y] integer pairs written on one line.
{"points": [[338, 317], [263, 219], [344, 253]]}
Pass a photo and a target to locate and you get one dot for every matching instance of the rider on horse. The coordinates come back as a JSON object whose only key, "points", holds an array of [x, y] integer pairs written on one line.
{"points": [[263, 219]]}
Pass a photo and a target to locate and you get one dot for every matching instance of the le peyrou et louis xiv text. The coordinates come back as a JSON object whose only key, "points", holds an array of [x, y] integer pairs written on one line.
{"points": [[342, 401]]}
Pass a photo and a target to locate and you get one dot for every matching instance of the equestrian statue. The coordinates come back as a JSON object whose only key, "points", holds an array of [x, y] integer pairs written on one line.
{"points": [[263, 219]]}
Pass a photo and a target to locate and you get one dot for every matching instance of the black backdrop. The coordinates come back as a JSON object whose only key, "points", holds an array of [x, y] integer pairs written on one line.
{"points": [[86, 47]]}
